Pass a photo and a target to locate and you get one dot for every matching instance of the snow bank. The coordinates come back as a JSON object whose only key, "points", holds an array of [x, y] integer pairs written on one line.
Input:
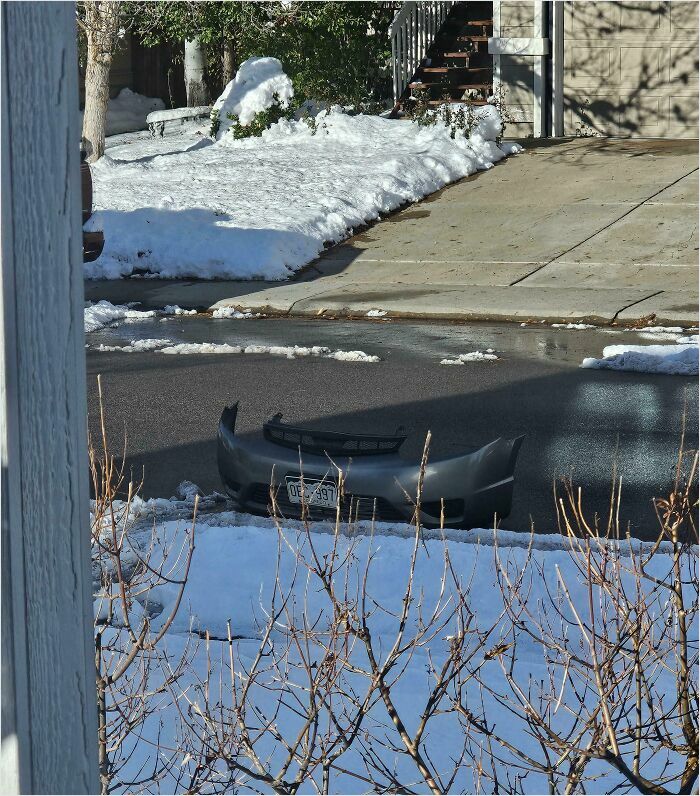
{"points": [[264, 207], [230, 312], [127, 112], [258, 84], [289, 351], [578, 326], [472, 356], [135, 346], [174, 309], [681, 359], [105, 313]]}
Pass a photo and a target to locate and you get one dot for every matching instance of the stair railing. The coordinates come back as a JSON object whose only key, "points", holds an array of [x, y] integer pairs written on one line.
{"points": [[412, 32]]}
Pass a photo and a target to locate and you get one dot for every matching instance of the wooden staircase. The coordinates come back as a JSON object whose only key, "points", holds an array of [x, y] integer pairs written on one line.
{"points": [[457, 66]]}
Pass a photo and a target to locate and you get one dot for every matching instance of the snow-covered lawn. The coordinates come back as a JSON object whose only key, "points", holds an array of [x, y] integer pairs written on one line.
{"points": [[680, 359], [264, 207], [241, 567]]}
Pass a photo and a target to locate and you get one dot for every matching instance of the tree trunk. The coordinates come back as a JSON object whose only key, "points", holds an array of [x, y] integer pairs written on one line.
{"points": [[228, 62], [95, 115], [102, 33], [195, 80]]}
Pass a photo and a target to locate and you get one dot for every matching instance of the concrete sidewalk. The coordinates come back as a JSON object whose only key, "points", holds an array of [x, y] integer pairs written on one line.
{"points": [[580, 230]]}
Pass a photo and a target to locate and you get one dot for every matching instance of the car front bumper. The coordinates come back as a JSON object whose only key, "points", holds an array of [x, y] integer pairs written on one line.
{"points": [[470, 490]]}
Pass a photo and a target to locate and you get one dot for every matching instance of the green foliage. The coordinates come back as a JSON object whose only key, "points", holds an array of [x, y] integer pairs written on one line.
{"points": [[334, 52], [215, 123], [261, 121]]}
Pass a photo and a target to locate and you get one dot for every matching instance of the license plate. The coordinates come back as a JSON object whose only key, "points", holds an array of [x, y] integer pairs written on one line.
{"points": [[312, 493]]}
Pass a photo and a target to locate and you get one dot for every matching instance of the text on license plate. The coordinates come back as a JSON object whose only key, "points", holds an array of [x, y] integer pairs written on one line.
{"points": [[313, 493]]}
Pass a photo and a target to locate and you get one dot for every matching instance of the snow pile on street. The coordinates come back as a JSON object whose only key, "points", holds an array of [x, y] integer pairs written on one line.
{"points": [[472, 356], [258, 84], [264, 207], [239, 567], [288, 351], [104, 313], [579, 326], [127, 112], [135, 346], [174, 309], [680, 359], [230, 312], [376, 313]]}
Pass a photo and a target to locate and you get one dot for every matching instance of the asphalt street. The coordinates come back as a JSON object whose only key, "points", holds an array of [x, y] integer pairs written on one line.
{"points": [[577, 422]]}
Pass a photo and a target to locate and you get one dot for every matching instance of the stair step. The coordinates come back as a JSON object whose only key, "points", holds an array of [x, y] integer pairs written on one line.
{"points": [[445, 69], [460, 86], [457, 102]]}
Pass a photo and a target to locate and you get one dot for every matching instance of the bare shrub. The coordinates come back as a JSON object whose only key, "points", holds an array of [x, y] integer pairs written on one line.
{"points": [[576, 673], [318, 700], [129, 663]]}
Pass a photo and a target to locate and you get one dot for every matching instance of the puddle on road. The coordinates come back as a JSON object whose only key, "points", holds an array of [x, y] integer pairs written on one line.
{"points": [[395, 340]]}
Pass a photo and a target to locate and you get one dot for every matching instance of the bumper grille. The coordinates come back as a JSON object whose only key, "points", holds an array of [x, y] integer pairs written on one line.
{"points": [[353, 507]]}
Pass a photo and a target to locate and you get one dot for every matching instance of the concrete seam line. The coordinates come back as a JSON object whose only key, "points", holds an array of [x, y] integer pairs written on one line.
{"points": [[602, 229], [638, 301]]}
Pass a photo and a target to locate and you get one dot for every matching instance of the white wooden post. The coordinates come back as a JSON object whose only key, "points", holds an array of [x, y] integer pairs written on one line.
{"points": [[557, 26], [49, 721], [496, 16], [539, 73]]}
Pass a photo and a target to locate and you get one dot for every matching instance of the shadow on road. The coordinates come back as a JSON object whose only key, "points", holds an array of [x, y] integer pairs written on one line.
{"points": [[577, 422]]}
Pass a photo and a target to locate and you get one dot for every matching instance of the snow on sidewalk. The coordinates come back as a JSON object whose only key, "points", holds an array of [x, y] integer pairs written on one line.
{"points": [[680, 359], [264, 207]]}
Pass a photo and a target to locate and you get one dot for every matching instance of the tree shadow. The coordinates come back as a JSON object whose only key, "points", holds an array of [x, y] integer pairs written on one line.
{"points": [[650, 65]]}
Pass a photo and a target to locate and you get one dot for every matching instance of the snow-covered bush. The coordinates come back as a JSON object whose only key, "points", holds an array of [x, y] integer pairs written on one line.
{"points": [[463, 118], [259, 95]]}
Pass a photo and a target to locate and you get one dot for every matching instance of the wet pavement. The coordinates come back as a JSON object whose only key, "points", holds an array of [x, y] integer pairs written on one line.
{"points": [[576, 421]]}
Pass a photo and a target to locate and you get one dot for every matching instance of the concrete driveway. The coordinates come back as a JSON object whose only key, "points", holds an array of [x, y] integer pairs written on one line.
{"points": [[599, 230]]}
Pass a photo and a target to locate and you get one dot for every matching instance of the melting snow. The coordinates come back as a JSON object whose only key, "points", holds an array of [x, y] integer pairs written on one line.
{"points": [[472, 356], [264, 207], [291, 352], [679, 359]]}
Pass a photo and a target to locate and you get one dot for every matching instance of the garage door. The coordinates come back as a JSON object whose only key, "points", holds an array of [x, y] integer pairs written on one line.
{"points": [[631, 68]]}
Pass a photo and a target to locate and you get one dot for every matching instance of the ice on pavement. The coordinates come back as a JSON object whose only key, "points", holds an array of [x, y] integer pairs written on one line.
{"points": [[135, 346], [104, 313], [174, 309], [472, 356], [230, 312], [680, 359], [289, 351]]}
